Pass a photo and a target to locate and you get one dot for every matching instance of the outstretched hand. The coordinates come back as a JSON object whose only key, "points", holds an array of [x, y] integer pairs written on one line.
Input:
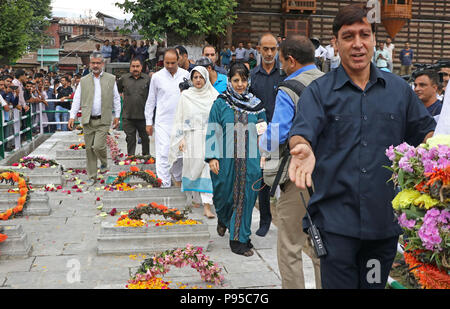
{"points": [[302, 166]]}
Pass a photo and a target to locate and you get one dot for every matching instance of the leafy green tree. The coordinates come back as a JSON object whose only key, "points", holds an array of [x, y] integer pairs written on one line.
{"points": [[42, 13], [21, 27], [155, 18]]}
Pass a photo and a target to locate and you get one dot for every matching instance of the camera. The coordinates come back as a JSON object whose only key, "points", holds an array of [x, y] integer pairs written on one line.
{"points": [[420, 67], [185, 84]]}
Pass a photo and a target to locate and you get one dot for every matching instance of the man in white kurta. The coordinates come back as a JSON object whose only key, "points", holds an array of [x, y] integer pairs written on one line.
{"points": [[164, 94]]}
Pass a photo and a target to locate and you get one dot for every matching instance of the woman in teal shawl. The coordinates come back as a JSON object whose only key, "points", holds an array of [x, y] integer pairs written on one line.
{"points": [[233, 156]]}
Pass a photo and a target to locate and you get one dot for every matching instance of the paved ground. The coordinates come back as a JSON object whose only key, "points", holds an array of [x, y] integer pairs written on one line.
{"points": [[66, 241]]}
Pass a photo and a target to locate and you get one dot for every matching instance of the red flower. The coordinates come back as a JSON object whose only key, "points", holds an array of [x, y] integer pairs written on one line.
{"points": [[113, 212]]}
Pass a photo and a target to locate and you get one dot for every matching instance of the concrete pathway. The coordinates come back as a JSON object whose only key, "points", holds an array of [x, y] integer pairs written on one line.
{"points": [[64, 246]]}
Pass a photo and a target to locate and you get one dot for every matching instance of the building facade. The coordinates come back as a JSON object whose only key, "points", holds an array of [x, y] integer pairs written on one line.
{"points": [[426, 31]]}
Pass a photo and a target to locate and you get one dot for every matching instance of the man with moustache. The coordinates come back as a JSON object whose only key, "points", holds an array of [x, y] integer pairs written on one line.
{"points": [[98, 97], [134, 88], [344, 123], [265, 79]]}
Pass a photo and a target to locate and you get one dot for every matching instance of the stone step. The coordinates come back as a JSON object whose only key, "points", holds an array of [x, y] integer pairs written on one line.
{"points": [[17, 243], [73, 154], [38, 204], [132, 240], [78, 163]]}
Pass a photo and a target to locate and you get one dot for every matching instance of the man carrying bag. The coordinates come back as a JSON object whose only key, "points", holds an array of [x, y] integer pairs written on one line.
{"points": [[297, 59]]}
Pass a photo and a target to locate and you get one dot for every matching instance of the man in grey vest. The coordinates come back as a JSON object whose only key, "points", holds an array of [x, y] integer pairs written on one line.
{"points": [[296, 55], [98, 97]]}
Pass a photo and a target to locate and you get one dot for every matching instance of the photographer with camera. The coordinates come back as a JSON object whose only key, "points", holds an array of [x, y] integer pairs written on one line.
{"points": [[164, 95]]}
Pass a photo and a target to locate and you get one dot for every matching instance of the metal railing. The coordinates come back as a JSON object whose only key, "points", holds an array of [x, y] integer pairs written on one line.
{"points": [[23, 124]]}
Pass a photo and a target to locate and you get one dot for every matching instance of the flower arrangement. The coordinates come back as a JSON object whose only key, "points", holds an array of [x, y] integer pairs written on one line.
{"points": [[160, 265], [155, 209], [30, 162], [423, 204], [114, 148], [13, 177], [78, 146], [146, 175], [138, 159]]}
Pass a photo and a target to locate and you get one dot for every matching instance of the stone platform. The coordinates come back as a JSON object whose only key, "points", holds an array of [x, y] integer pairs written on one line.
{"points": [[38, 203], [126, 200], [128, 240], [39, 177], [17, 243]]}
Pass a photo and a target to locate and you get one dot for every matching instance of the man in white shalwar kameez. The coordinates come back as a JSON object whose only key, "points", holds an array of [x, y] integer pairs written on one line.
{"points": [[164, 94]]}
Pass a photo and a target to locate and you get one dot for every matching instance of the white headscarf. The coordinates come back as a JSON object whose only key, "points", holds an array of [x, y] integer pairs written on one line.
{"points": [[192, 111]]}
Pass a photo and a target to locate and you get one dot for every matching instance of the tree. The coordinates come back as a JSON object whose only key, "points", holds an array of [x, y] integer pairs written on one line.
{"points": [[21, 27], [155, 18]]}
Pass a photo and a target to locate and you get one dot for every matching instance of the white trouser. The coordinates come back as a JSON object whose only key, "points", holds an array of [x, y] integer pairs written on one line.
{"points": [[200, 197], [162, 144]]}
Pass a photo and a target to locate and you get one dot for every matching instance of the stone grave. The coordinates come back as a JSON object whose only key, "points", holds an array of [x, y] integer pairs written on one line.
{"points": [[132, 240], [70, 158], [37, 205], [126, 200], [39, 177], [17, 243]]}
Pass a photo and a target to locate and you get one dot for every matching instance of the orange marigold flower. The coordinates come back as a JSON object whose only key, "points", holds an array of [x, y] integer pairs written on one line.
{"points": [[3, 237], [15, 177], [21, 201], [134, 169]]}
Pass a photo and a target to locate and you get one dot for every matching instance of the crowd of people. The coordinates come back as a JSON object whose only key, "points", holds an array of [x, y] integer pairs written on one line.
{"points": [[236, 124]]}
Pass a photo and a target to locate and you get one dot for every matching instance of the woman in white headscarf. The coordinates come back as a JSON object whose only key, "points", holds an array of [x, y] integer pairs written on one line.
{"points": [[188, 137]]}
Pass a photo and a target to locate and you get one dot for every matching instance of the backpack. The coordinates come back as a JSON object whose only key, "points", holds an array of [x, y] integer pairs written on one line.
{"points": [[277, 173]]}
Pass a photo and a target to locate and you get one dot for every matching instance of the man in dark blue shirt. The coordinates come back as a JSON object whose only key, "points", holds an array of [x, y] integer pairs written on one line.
{"points": [[345, 120], [265, 79]]}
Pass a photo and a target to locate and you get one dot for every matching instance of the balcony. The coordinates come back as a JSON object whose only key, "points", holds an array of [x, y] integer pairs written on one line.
{"points": [[396, 9], [394, 14], [302, 6]]}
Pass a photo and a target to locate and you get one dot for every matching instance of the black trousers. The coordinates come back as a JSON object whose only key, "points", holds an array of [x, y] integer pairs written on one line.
{"points": [[130, 126], [264, 205], [353, 263]]}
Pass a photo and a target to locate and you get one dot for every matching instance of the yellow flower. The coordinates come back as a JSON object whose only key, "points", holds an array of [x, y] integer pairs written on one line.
{"points": [[425, 201], [439, 139], [405, 198]]}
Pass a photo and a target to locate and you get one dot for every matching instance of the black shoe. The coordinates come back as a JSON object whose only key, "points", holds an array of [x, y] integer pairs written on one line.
{"points": [[221, 229], [263, 229]]}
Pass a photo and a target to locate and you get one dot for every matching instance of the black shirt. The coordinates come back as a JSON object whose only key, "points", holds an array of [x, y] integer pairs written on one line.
{"points": [[64, 92], [264, 87], [350, 130], [135, 93]]}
